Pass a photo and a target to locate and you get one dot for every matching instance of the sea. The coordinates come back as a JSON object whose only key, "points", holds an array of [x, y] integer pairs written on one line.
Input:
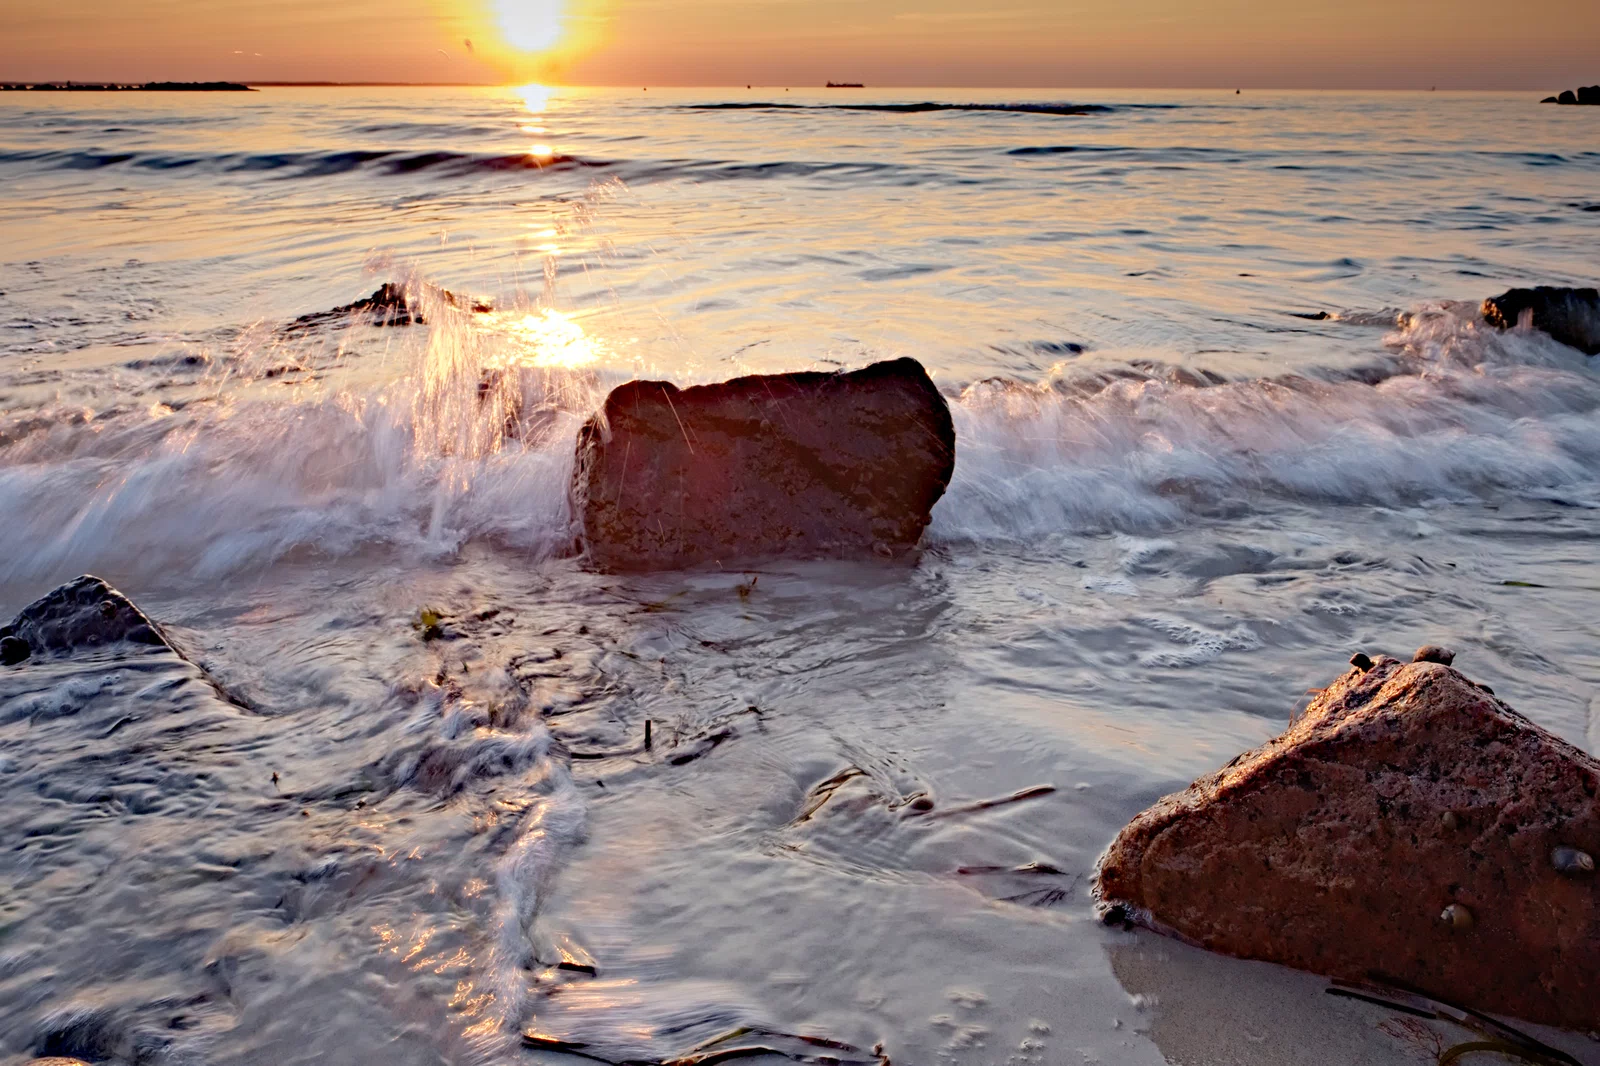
{"points": [[424, 789]]}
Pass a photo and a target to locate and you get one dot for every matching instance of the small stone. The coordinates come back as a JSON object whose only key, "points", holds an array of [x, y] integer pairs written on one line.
{"points": [[1572, 862], [13, 650], [1451, 822], [1432, 653], [1456, 917], [1361, 661]]}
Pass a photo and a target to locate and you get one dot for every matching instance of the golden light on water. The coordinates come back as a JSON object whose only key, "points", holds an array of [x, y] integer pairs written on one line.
{"points": [[550, 340], [535, 97], [530, 25]]}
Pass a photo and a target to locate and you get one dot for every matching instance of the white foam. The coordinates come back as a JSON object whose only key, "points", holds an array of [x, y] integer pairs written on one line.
{"points": [[1469, 411], [425, 464]]}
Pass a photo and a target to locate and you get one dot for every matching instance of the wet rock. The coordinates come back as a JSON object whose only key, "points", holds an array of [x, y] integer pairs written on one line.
{"points": [[1571, 316], [806, 464], [79, 616], [389, 305], [1408, 826], [13, 650]]}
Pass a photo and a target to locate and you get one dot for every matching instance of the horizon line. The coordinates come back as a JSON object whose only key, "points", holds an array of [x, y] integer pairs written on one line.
{"points": [[330, 84]]}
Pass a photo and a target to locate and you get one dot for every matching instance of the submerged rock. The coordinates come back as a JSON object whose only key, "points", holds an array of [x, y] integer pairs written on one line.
{"points": [[807, 464], [1571, 316], [1408, 827], [80, 615]]}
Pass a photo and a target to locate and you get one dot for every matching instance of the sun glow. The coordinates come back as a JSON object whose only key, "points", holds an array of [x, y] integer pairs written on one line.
{"points": [[549, 339], [535, 97], [530, 25]]}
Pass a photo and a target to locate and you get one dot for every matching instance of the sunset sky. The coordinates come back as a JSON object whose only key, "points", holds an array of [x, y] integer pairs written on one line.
{"points": [[1482, 44]]}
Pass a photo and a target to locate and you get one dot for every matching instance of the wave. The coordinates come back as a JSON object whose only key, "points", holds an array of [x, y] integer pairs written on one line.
{"points": [[385, 162], [304, 164], [453, 453], [1457, 412], [923, 108]]}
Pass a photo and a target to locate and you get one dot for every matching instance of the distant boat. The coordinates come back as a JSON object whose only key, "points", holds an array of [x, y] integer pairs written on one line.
{"points": [[845, 85]]}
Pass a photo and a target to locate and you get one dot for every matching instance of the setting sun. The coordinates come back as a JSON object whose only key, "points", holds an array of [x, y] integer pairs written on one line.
{"points": [[530, 25]]}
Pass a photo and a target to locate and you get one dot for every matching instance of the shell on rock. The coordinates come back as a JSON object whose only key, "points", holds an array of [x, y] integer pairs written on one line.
{"points": [[1450, 821], [1456, 917], [1432, 653], [1572, 861], [1361, 661]]}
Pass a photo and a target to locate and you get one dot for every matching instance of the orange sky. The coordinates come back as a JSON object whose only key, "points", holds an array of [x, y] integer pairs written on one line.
{"points": [[1544, 45]]}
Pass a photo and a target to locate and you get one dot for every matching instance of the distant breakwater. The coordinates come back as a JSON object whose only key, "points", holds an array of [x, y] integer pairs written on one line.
{"points": [[118, 87]]}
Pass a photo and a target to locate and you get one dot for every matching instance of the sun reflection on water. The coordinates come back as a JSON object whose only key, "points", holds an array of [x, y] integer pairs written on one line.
{"points": [[536, 97], [550, 340]]}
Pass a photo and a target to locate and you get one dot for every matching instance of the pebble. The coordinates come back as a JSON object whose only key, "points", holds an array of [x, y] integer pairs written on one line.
{"points": [[1572, 862], [1432, 653]]}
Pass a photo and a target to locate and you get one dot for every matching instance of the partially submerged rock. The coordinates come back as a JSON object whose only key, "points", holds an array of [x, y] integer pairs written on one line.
{"points": [[807, 464], [1588, 94], [1409, 827], [1571, 316], [81, 615], [389, 305]]}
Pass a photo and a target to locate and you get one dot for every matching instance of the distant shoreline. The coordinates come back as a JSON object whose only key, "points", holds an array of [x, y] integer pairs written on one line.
{"points": [[120, 87]]}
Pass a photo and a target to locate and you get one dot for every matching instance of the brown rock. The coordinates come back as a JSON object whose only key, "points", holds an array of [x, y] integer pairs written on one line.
{"points": [[1408, 827], [806, 464]]}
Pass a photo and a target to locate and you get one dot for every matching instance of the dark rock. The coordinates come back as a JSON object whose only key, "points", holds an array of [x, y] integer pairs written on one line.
{"points": [[82, 615], [389, 305], [1571, 316], [1567, 97], [1407, 827], [1550, 100], [806, 464], [13, 650], [1361, 661], [1589, 94], [1432, 653]]}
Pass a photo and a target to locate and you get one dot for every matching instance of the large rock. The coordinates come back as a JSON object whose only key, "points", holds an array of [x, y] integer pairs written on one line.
{"points": [[1588, 94], [1571, 316], [1410, 827], [807, 464], [81, 615]]}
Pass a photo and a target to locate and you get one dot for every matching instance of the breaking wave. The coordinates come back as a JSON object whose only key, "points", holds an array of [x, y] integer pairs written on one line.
{"points": [[458, 450]]}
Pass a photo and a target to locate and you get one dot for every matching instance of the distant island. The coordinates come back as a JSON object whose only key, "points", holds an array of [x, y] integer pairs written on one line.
{"points": [[845, 85], [117, 87]]}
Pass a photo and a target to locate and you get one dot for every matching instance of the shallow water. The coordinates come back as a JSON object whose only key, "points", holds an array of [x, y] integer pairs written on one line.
{"points": [[1176, 508]]}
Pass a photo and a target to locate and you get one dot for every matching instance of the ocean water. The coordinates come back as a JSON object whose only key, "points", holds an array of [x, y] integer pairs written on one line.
{"points": [[1179, 503]]}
